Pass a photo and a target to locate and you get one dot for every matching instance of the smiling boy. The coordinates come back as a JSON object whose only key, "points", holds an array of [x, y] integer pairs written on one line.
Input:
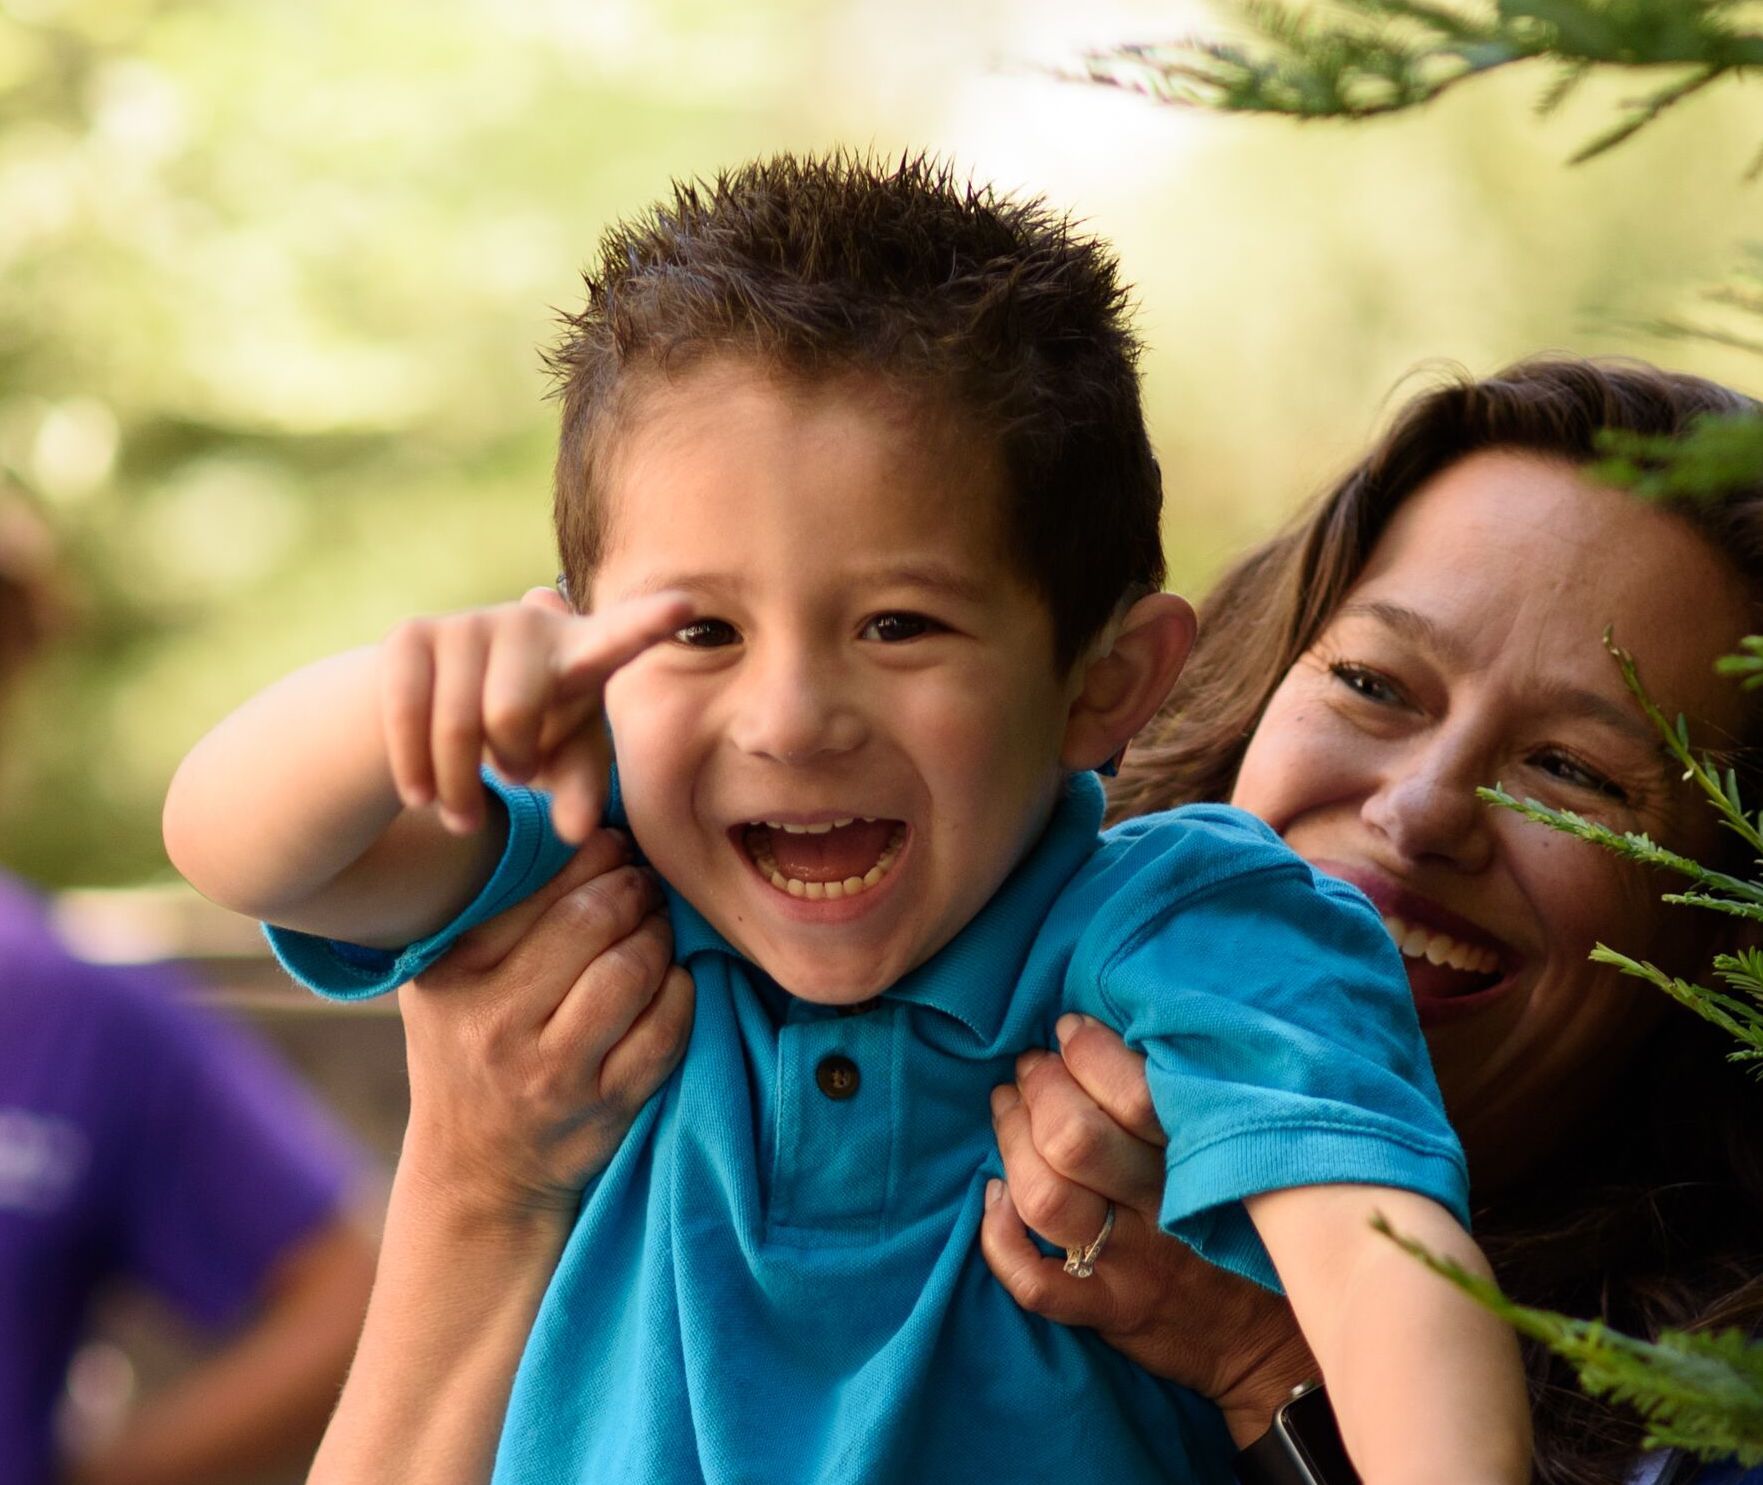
{"points": [[855, 492]]}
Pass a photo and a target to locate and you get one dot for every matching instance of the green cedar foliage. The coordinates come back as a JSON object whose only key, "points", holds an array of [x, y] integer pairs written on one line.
{"points": [[1702, 1392], [1357, 59]]}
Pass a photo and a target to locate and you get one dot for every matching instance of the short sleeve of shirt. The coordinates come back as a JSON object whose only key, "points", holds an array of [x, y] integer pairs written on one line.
{"points": [[532, 856], [1282, 1048], [220, 1163]]}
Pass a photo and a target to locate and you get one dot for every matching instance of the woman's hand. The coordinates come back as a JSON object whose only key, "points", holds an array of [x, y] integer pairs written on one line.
{"points": [[1077, 1131], [535, 1041], [532, 1046]]}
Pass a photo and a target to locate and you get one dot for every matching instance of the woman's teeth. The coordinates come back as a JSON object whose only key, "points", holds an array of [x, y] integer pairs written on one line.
{"points": [[761, 852], [1417, 942]]}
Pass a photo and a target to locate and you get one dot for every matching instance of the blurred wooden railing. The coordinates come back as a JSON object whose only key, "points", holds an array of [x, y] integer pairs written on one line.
{"points": [[352, 1054]]}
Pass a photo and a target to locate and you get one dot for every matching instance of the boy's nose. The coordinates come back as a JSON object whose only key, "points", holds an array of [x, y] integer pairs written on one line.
{"points": [[794, 708]]}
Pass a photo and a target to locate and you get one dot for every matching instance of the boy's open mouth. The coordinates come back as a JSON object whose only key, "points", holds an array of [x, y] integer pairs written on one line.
{"points": [[829, 858]]}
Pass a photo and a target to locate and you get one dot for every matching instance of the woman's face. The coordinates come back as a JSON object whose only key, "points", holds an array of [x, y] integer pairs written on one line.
{"points": [[1468, 653]]}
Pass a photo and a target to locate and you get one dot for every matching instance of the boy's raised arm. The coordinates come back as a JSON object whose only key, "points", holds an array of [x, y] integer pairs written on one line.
{"points": [[1426, 1385], [344, 800]]}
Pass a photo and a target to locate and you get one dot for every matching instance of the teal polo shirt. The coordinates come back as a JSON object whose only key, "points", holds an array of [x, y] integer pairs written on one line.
{"points": [[778, 1278]]}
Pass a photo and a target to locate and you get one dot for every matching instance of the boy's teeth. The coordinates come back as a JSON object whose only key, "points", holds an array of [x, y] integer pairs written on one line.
{"points": [[820, 829], [766, 861], [1417, 942]]}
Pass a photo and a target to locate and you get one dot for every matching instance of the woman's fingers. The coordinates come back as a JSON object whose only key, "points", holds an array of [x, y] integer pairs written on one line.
{"points": [[530, 944], [653, 1046], [1059, 1209], [1110, 1074], [1073, 1135], [613, 990], [1036, 1282]]}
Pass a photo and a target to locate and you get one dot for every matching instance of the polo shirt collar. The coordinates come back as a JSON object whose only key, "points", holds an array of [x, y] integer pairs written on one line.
{"points": [[973, 978]]}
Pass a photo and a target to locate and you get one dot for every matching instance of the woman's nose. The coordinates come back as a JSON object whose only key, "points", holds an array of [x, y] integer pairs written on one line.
{"points": [[1425, 806], [795, 707]]}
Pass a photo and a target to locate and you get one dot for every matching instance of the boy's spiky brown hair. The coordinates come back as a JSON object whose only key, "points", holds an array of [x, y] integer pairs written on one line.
{"points": [[826, 266]]}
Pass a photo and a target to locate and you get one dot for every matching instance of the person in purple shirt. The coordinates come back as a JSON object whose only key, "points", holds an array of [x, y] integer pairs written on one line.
{"points": [[144, 1142]]}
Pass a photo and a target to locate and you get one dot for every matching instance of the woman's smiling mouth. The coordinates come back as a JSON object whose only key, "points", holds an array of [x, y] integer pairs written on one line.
{"points": [[820, 859], [1455, 967]]}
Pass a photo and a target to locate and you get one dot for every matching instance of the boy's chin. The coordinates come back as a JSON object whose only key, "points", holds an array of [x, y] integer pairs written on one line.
{"points": [[821, 983], [822, 990]]}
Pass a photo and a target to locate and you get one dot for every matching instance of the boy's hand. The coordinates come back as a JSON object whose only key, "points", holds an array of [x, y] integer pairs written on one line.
{"points": [[518, 685]]}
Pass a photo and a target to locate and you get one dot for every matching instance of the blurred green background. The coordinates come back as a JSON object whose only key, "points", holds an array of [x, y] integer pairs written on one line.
{"points": [[273, 277]]}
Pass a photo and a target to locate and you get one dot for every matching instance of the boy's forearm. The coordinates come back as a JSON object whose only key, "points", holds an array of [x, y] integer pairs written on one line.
{"points": [[453, 1303], [1427, 1386], [287, 811]]}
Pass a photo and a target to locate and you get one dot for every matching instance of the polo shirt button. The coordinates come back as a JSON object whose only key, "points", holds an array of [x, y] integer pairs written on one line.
{"points": [[837, 1076]]}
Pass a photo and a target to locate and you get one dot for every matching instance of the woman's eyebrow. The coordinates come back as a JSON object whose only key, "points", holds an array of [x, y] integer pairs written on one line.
{"points": [[1558, 698], [1413, 626]]}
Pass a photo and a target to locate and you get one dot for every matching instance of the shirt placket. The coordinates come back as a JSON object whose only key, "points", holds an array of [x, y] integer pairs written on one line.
{"points": [[836, 1084]]}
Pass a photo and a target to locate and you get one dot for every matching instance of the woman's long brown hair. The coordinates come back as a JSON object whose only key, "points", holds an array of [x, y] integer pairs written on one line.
{"points": [[1654, 1219]]}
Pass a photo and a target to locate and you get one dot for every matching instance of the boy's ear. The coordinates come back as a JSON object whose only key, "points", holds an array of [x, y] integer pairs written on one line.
{"points": [[1121, 684]]}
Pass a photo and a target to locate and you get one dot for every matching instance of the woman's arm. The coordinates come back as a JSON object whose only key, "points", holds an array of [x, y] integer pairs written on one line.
{"points": [[1077, 1131], [531, 1048]]}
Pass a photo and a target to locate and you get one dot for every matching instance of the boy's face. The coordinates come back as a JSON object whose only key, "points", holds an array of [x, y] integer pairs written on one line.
{"points": [[865, 658]]}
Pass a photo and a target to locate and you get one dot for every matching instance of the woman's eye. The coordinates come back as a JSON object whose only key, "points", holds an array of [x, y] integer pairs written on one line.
{"points": [[1570, 771], [893, 629], [706, 634], [1371, 684]]}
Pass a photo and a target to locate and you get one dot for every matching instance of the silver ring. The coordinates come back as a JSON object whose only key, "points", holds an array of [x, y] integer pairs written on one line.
{"points": [[1080, 1263]]}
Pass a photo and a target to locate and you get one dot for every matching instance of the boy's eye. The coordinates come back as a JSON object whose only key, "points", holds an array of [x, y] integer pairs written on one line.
{"points": [[706, 634], [1576, 775], [893, 629], [1372, 685]]}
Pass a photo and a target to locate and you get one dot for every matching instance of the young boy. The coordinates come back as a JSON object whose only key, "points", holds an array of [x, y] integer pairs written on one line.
{"points": [[857, 505]]}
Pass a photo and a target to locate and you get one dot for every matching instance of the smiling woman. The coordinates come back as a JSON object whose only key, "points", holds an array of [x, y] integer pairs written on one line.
{"points": [[1442, 671], [1431, 626]]}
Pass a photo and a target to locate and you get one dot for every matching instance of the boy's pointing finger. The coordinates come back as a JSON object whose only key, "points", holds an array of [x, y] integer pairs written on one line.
{"points": [[615, 635]]}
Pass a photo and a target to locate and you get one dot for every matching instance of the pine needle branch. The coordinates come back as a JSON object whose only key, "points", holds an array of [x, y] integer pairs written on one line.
{"points": [[1747, 665], [1721, 790], [1643, 111], [1632, 845], [1740, 1019], [1714, 457], [1358, 59], [1748, 910], [1700, 1392]]}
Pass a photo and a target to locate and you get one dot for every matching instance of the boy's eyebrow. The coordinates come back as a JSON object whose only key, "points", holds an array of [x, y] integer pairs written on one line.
{"points": [[931, 575], [935, 576]]}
